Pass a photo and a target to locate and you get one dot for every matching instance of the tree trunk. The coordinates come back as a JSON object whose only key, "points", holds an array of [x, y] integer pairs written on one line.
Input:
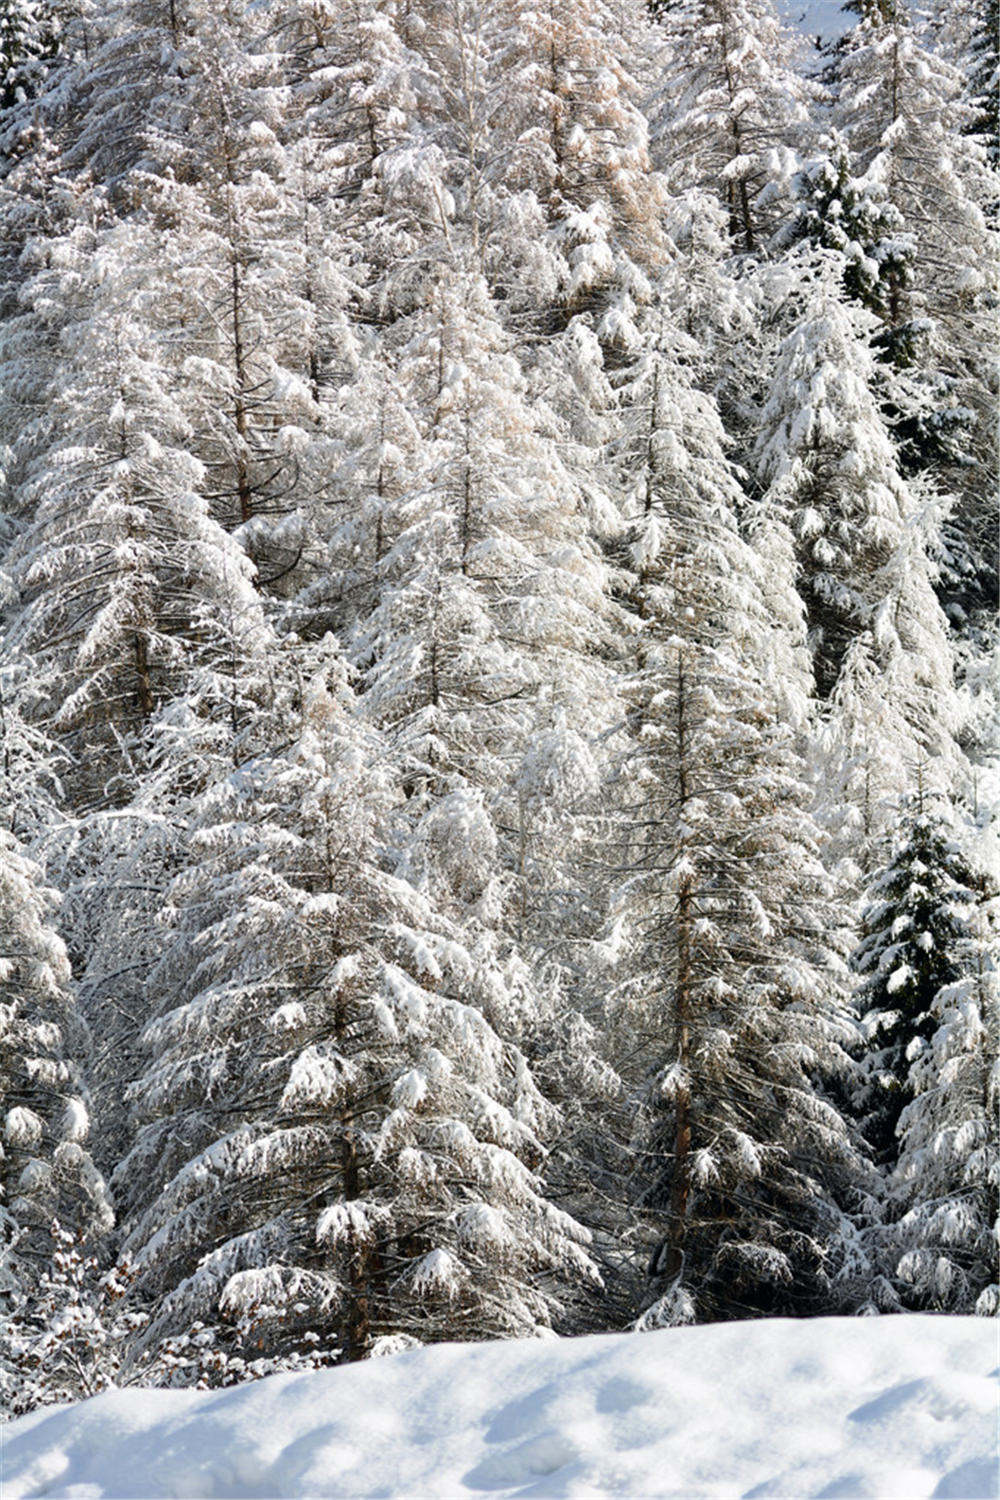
{"points": [[680, 1181]]}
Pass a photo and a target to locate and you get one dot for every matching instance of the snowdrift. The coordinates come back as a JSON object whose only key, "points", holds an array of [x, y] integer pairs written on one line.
{"points": [[896, 1408]]}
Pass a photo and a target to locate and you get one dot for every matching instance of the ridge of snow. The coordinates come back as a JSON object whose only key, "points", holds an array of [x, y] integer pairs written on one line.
{"points": [[899, 1408]]}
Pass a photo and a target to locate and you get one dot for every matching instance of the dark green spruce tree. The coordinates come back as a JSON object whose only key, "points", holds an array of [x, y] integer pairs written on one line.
{"points": [[913, 926]]}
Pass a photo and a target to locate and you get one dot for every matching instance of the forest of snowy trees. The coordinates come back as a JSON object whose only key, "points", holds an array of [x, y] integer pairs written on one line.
{"points": [[499, 678]]}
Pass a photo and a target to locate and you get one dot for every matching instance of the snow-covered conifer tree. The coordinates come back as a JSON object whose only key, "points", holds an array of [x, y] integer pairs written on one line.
{"points": [[364, 90], [735, 996], [126, 584], [224, 209], [345, 1147], [379, 447], [577, 141], [913, 927], [983, 50], [863, 753], [490, 589], [730, 109], [47, 235], [855, 217], [731, 990], [28, 36], [119, 552], [45, 1168], [945, 1189], [865, 539], [903, 108]]}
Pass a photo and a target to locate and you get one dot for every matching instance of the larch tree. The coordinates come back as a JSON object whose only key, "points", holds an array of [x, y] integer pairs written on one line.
{"points": [[577, 141], [53, 1200], [232, 267], [737, 1000], [345, 1145], [119, 550], [730, 1002], [982, 49], [125, 582], [364, 89], [482, 659], [47, 235], [491, 588], [730, 109]]}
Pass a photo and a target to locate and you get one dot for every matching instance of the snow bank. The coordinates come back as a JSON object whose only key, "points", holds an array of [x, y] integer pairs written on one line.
{"points": [[896, 1408]]}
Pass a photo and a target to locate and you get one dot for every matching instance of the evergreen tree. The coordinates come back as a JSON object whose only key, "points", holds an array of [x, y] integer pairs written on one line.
{"points": [[913, 926], [904, 113], [985, 49], [29, 32], [864, 539], [946, 1183], [854, 217], [967, 33], [45, 1169]]}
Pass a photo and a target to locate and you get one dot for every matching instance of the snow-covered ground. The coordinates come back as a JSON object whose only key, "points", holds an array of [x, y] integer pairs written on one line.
{"points": [[897, 1408]]}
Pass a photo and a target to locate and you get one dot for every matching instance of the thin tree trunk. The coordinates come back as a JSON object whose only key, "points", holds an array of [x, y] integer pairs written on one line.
{"points": [[243, 489], [680, 1182]]}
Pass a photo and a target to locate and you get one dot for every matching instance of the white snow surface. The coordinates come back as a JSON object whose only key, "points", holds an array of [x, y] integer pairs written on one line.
{"points": [[897, 1408], [826, 19]]}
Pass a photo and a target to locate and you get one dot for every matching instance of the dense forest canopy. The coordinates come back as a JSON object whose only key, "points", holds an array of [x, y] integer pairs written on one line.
{"points": [[498, 675]]}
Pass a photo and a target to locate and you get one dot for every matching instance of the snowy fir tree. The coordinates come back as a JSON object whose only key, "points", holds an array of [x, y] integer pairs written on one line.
{"points": [[867, 542], [46, 1171], [29, 31], [945, 1183], [905, 112], [853, 215], [928, 973], [914, 926], [830, 465]]}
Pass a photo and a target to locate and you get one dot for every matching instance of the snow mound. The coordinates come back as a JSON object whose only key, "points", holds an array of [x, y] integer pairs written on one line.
{"points": [[897, 1408]]}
